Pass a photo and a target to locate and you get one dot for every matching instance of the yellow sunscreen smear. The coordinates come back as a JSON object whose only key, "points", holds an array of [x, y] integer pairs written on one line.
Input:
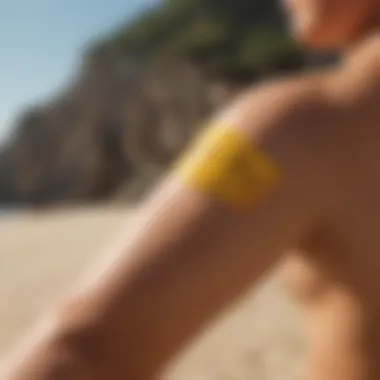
{"points": [[224, 165]]}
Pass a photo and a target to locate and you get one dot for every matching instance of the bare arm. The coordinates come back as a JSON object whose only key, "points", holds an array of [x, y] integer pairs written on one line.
{"points": [[190, 255]]}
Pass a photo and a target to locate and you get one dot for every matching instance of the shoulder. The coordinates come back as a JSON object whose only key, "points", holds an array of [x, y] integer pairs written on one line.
{"points": [[295, 121], [291, 105], [307, 111], [293, 116]]}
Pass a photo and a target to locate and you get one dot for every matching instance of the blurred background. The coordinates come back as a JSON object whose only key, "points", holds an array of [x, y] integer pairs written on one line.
{"points": [[97, 98]]}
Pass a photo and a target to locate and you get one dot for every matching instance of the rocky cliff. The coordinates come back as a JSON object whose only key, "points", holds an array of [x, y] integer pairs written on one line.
{"points": [[137, 98]]}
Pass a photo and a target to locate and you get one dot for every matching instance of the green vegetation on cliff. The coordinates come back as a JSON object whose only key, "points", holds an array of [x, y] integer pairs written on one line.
{"points": [[238, 39]]}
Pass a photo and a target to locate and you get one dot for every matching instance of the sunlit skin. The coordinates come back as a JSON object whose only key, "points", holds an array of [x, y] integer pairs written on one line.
{"points": [[332, 24], [189, 255]]}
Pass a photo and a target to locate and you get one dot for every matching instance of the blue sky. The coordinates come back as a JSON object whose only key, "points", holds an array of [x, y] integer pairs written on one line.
{"points": [[41, 41]]}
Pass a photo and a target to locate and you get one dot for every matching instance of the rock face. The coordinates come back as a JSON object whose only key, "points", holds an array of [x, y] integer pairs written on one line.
{"points": [[105, 131], [137, 100]]}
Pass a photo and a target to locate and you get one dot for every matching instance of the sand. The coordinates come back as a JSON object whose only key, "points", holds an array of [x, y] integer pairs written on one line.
{"points": [[41, 254]]}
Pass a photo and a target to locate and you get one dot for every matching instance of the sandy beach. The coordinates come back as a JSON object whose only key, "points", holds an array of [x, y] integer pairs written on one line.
{"points": [[41, 254]]}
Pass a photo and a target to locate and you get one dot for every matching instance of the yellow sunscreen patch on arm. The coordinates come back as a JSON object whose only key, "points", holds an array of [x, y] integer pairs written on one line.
{"points": [[224, 165]]}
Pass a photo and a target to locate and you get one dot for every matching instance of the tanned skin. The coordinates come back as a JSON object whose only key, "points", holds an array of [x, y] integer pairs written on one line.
{"points": [[189, 255]]}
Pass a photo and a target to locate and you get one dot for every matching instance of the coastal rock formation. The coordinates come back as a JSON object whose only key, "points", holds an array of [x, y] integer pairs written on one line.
{"points": [[138, 97]]}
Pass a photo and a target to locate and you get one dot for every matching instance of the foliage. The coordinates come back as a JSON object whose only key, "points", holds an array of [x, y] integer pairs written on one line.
{"points": [[236, 38]]}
